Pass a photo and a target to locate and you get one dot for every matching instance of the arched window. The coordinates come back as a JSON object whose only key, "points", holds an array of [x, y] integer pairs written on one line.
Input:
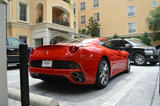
{"points": [[39, 13]]}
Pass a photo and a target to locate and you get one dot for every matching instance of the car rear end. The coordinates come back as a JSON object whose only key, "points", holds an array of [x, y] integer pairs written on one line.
{"points": [[60, 60]]}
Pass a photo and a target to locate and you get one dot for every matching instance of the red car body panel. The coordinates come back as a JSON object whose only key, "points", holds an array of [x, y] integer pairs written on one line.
{"points": [[87, 57]]}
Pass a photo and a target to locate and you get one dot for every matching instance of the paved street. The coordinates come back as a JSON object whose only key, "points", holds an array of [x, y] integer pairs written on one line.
{"points": [[126, 89]]}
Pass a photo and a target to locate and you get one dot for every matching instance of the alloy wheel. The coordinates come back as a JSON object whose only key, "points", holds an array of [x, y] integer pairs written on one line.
{"points": [[140, 59], [104, 73]]}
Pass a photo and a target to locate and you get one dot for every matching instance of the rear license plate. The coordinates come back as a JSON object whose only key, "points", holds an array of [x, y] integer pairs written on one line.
{"points": [[46, 63]]}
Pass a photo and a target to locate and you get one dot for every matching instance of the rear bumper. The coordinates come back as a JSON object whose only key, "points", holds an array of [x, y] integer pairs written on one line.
{"points": [[13, 58], [67, 73]]}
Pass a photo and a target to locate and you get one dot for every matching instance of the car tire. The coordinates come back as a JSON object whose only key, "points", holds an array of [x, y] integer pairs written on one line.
{"points": [[153, 63], [102, 76], [18, 65], [128, 66], [139, 59]]}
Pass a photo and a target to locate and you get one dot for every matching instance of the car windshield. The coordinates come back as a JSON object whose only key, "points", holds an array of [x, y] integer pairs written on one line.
{"points": [[136, 42]]}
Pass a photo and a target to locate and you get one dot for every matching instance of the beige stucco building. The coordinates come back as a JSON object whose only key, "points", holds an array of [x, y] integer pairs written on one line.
{"points": [[122, 17], [36, 22]]}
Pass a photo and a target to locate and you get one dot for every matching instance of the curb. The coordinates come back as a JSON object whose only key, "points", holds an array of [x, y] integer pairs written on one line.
{"points": [[35, 100]]}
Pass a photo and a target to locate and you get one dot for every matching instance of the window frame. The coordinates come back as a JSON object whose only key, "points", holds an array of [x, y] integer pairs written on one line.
{"points": [[132, 11], [75, 24], [97, 16], [25, 37], [74, 9], [84, 19], [154, 1], [96, 5], [82, 6], [135, 27], [27, 12]]}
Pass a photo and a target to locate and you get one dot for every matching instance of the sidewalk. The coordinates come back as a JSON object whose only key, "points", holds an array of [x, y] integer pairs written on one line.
{"points": [[143, 94], [12, 102], [152, 100]]}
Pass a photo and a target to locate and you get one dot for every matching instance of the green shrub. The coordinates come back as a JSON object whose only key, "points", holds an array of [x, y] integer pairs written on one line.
{"points": [[115, 36], [146, 38], [68, 1], [156, 36], [82, 31]]}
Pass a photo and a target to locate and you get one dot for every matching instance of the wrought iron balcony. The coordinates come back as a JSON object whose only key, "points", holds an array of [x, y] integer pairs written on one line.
{"points": [[61, 22]]}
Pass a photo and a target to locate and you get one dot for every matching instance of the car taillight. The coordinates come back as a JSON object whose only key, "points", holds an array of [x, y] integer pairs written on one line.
{"points": [[73, 49], [32, 51]]}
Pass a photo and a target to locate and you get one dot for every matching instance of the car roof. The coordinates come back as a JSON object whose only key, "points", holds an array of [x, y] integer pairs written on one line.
{"points": [[117, 39], [84, 40]]}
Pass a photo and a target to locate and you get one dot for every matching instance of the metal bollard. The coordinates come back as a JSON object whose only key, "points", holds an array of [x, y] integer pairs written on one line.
{"points": [[23, 48]]}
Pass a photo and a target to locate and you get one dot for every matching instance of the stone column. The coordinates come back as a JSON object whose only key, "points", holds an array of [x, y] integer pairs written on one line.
{"points": [[3, 68]]}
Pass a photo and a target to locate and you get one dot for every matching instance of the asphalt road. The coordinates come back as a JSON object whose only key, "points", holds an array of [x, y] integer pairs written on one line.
{"points": [[125, 89]]}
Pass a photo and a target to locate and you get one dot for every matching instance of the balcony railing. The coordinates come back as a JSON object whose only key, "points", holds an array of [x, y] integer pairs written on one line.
{"points": [[61, 22], [39, 20]]}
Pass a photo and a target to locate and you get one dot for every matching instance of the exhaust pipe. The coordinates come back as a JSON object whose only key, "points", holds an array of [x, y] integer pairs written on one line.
{"points": [[78, 76], [78, 79], [75, 74]]}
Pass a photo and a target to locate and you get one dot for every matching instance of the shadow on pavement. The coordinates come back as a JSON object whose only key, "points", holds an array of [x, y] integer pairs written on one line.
{"points": [[63, 87], [12, 68], [154, 65]]}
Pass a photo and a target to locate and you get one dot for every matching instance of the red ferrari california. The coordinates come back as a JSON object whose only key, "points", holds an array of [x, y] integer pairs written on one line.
{"points": [[81, 61]]}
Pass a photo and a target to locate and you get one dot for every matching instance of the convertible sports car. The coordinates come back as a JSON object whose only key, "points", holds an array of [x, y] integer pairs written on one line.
{"points": [[82, 61]]}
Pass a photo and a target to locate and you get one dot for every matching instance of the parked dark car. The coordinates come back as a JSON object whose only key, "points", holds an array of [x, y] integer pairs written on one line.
{"points": [[139, 52], [13, 51]]}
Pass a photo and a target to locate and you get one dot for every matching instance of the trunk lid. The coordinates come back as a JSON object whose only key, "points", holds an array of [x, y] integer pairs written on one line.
{"points": [[49, 52]]}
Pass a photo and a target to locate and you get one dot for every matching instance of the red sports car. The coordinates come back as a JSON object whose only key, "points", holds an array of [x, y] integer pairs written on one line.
{"points": [[82, 61]]}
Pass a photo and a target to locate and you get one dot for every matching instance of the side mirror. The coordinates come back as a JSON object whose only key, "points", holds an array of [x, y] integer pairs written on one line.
{"points": [[128, 46], [121, 48], [53, 41]]}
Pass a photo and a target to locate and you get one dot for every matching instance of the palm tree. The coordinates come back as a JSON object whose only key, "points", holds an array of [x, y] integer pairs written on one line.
{"points": [[154, 20], [154, 23]]}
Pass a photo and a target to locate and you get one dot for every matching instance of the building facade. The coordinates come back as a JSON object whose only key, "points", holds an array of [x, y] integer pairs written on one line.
{"points": [[36, 22], [122, 17]]}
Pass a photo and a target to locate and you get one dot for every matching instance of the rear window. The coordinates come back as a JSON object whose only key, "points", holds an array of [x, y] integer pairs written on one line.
{"points": [[13, 42], [107, 44], [79, 40]]}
